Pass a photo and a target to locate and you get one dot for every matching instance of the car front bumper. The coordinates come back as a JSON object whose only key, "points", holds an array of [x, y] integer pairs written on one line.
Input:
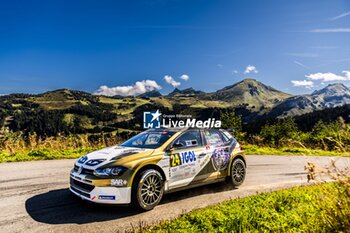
{"points": [[84, 189]]}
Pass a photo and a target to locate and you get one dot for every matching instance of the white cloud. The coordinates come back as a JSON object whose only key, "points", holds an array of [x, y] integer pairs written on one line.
{"points": [[326, 30], [171, 81], [140, 87], [340, 16], [235, 72], [303, 83], [250, 69], [220, 65], [346, 74], [329, 77], [185, 77]]}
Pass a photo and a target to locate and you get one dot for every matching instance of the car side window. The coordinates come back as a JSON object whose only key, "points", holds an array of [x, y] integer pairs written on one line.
{"points": [[191, 138], [213, 137]]}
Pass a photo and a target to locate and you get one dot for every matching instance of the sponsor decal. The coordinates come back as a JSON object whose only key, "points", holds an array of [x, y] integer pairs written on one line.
{"points": [[103, 197], [118, 182], [155, 119], [182, 158], [220, 158], [94, 162], [83, 159]]}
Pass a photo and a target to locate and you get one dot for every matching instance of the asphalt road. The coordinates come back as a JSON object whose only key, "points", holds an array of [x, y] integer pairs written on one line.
{"points": [[34, 196]]}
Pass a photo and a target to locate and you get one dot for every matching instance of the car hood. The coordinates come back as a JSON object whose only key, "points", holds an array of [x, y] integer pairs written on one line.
{"points": [[117, 152]]}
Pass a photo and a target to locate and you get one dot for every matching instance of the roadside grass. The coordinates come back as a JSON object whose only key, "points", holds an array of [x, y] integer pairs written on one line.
{"points": [[263, 150], [14, 148], [70, 152], [44, 154], [299, 209]]}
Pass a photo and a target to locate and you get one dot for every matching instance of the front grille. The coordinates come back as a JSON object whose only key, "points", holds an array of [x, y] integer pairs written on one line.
{"points": [[81, 185], [80, 192], [87, 171]]}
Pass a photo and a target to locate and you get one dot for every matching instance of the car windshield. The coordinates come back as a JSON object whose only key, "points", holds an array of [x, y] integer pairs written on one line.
{"points": [[149, 139]]}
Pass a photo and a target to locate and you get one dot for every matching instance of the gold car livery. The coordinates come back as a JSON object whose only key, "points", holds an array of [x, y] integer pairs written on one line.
{"points": [[158, 161]]}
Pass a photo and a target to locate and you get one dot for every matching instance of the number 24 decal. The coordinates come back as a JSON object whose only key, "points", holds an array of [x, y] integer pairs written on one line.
{"points": [[182, 158], [175, 160]]}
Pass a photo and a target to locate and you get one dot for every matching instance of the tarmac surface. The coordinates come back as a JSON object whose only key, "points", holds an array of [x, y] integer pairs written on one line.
{"points": [[34, 196]]}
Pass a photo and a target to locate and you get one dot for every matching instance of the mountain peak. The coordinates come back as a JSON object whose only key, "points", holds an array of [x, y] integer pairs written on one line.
{"points": [[249, 80], [187, 91], [153, 93], [335, 89], [251, 92]]}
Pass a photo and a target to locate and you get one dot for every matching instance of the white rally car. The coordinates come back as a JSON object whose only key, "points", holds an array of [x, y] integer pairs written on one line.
{"points": [[157, 161]]}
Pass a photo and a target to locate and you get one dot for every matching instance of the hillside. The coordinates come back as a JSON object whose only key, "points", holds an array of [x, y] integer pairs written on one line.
{"points": [[251, 93], [185, 92], [153, 93], [76, 111]]}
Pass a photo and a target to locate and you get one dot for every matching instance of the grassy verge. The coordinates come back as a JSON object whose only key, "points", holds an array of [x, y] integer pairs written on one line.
{"points": [[300, 209], [261, 150], [43, 154]]}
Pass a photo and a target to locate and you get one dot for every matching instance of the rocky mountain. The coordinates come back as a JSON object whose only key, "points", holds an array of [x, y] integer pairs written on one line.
{"points": [[331, 96], [185, 92], [153, 93], [251, 93]]}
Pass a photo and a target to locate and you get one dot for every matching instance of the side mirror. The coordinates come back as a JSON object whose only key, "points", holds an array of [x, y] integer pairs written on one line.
{"points": [[177, 145], [174, 146]]}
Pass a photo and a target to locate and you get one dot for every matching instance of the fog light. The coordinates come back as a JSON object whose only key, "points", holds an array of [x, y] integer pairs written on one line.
{"points": [[118, 182]]}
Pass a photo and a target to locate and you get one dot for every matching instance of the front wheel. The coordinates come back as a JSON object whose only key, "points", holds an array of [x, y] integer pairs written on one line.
{"points": [[148, 189], [238, 172]]}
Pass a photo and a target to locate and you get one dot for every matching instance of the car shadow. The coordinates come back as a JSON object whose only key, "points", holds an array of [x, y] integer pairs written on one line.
{"points": [[61, 207]]}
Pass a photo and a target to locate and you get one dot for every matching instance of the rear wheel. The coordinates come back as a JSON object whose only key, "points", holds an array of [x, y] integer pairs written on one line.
{"points": [[238, 172], [148, 189]]}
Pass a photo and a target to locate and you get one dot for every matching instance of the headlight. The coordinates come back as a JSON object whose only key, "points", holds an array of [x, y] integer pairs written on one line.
{"points": [[110, 171], [83, 159]]}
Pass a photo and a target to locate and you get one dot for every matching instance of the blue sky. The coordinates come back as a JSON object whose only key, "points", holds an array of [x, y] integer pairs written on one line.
{"points": [[295, 46]]}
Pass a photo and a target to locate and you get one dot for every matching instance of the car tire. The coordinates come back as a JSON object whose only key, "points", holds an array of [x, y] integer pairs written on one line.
{"points": [[147, 190], [237, 172]]}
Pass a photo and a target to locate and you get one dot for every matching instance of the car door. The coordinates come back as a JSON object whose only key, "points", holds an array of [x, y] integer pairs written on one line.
{"points": [[219, 145], [213, 157], [185, 158]]}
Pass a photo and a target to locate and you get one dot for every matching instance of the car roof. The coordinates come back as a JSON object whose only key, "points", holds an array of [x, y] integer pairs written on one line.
{"points": [[176, 129], [166, 129]]}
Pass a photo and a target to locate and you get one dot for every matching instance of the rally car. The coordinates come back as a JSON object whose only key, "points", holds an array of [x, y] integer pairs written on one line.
{"points": [[158, 161]]}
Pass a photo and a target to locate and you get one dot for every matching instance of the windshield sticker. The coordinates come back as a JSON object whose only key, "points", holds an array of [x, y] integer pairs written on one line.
{"points": [[182, 158]]}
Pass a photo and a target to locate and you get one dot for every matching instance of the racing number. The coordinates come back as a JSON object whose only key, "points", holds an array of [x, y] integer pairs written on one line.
{"points": [[175, 160]]}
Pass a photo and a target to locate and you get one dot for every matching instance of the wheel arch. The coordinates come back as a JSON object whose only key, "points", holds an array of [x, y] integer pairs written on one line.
{"points": [[146, 167], [238, 156]]}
